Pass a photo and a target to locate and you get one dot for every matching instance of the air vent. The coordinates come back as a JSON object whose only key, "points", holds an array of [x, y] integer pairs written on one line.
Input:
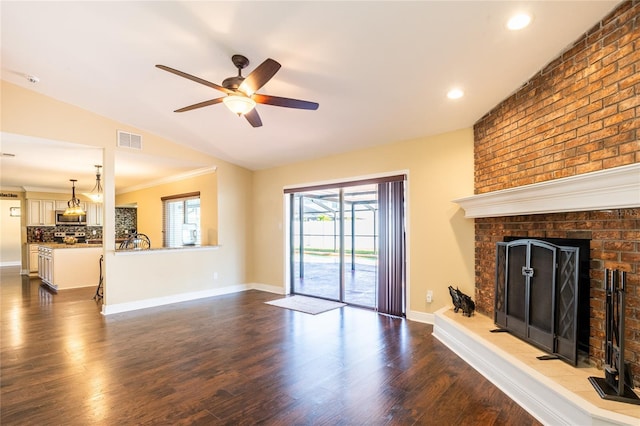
{"points": [[129, 140]]}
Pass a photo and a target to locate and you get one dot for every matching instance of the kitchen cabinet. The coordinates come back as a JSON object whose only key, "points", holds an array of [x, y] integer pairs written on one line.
{"points": [[45, 264], [94, 214], [63, 267], [41, 213], [33, 258]]}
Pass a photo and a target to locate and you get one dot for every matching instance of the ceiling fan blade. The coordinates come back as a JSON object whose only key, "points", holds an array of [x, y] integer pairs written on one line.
{"points": [[284, 102], [200, 105], [194, 78], [259, 77], [253, 118]]}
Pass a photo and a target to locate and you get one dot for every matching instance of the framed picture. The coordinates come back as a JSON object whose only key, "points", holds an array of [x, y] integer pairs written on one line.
{"points": [[14, 211]]}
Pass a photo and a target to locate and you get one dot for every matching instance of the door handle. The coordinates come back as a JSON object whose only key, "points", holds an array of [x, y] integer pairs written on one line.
{"points": [[527, 272]]}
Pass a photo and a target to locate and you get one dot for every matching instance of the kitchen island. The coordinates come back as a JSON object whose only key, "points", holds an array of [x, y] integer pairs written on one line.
{"points": [[63, 266]]}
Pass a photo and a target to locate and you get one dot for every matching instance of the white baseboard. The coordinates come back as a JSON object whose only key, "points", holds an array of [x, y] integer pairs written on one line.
{"points": [[167, 300], [10, 263], [266, 287], [184, 297], [422, 317]]}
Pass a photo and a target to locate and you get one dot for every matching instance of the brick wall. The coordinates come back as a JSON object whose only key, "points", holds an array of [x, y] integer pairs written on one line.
{"points": [[581, 113]]}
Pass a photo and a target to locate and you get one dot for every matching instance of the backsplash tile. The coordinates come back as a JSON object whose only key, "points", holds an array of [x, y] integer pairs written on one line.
{"points": [[126, 221]]}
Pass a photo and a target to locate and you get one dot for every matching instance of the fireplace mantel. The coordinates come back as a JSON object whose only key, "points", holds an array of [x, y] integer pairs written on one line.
{"points": [[614, 188]]}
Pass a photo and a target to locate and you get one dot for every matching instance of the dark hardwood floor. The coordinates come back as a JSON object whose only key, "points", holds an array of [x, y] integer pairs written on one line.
{"points": [[228, 360]]}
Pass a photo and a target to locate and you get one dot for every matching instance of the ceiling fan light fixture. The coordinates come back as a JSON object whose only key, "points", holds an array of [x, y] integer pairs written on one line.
{"points": [[239, 104], [241, 91], [97, 194]]}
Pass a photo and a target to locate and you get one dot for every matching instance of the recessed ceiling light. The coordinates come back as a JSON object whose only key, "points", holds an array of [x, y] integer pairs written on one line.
{"points": [[519, 21], [455, 94]]}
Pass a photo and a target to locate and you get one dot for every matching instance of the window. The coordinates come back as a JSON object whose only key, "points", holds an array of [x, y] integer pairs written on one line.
{"points": [[181, 220]]}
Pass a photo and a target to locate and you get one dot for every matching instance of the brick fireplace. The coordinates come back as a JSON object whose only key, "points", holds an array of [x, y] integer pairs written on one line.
{"points": [[580, 114], [615, 241]]}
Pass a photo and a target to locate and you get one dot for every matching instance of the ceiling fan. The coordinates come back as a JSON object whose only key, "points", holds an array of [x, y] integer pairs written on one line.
{"points": [[241, 91]]}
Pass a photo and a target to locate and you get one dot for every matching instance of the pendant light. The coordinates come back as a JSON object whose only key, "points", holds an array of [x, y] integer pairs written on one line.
{"points": [[73, 205], [96, 195]]}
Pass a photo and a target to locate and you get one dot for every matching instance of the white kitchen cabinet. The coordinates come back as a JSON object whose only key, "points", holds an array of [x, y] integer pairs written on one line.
{"points": [[63, 267], [94, 214], [41, 212], [45, 265], [33, 258]]}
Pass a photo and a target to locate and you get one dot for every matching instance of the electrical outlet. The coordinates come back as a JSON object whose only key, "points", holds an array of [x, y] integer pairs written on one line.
{"points": [[429, 296], [215, 275]]}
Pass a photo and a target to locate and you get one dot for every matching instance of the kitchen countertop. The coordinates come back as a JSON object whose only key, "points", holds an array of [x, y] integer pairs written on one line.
{"points": [[66, 246], [165, 249], [93, 245]]}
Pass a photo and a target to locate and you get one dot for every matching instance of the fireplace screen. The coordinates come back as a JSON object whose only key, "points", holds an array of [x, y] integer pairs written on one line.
{"points": [[537, 294]]}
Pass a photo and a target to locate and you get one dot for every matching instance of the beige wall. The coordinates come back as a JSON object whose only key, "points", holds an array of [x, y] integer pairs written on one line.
{"points": [[149, 204], [440, 240], [27, 113], [251, 219], [183, 274], [10, 235]]}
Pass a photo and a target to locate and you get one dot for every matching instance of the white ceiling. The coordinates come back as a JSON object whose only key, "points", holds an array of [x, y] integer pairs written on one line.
{"points": [[44, 165], [379, 70]]}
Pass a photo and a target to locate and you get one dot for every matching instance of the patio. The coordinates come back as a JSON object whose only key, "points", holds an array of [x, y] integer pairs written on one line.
{"points": [[321, 279]]}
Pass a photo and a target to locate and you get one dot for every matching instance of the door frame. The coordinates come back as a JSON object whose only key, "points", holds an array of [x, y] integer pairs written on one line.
{"points": [[285, 226]]}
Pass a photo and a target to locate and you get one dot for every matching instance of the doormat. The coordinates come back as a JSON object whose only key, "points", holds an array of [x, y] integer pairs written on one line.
{"points": [[308, 305]]}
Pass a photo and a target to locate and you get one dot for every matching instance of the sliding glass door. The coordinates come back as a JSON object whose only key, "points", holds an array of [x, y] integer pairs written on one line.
{"points": [[316, 248], [360, 226], [336, 244], [334, 252]]}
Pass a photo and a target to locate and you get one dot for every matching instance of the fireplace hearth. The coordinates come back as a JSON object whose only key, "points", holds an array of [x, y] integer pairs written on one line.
{"points": [[555, 392], [542, 294]]}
